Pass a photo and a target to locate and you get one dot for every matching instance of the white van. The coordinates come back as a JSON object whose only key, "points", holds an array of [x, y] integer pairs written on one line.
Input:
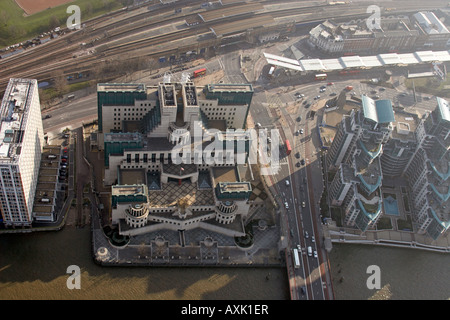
{"points": [[309, 251]]}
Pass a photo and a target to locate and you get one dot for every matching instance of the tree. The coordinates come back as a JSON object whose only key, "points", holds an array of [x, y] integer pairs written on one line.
{"points": [[54, 22]]}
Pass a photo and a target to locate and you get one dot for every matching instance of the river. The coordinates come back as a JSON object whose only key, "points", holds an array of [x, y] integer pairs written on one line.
{"points": [[33, 266]]}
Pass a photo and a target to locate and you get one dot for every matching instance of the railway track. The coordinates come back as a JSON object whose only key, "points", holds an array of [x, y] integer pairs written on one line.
{"points": [[57, 55]]}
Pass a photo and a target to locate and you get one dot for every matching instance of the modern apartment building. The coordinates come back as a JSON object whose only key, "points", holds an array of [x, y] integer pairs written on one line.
{"points": [[21, 143], [428, 172], [355, 153], [372, 143], [158, 142]]}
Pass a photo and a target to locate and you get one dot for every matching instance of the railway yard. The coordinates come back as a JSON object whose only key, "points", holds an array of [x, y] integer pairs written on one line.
{"points": [[168, 31]]}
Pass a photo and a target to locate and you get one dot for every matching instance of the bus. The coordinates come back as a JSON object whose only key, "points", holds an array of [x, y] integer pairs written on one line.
{"points": [[321, 76], [288, 147], [296, 258], [199, 72]]}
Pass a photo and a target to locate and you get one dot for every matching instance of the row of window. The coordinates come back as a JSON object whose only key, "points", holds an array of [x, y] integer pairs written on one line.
{"points": [[134, 109]]}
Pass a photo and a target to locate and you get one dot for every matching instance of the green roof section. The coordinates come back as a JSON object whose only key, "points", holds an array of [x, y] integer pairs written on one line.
{"points": [[379, 111], [444, 176]]}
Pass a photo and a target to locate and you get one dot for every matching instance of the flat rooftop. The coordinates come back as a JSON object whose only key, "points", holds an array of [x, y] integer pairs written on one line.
{"points": [[14, 111], [224, 174], [230, 87]]}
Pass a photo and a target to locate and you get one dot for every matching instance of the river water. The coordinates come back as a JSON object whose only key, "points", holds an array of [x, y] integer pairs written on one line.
{"points": [[34, 266]]}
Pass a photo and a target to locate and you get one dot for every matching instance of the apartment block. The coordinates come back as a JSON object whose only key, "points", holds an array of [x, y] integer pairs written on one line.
{"points": [[21, 143]]}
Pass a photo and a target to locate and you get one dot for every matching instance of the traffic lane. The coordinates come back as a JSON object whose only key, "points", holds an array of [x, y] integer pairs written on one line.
{"points": [[73, 111]]}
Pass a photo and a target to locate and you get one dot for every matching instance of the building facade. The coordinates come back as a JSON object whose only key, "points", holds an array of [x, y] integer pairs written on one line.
{"points": [[422, 30], [355, 155], [371, 144], [174, 162], [21, 143], [428, 172]]}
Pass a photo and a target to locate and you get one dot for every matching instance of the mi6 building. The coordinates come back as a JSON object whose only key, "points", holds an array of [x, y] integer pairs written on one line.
{"points": [[21, 143], [156, 142]]}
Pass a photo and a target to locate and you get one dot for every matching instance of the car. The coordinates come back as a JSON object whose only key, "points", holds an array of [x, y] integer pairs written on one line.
{"points": [[376, 97], [323, 87], [402, 94], [303, 204], [317, 97], [313, 239], [426, 98], [299, 118], [330, 83], [286, 205], [287, 182], [297, 155], [308, 105], [258, 125], [322, 90], [302, 289], [373, 92], [269, 140], [302, 162], [332, 94], [315, 254], [305, 102], [306, 235], [382, 89], [48, 116], [298, 164], [64, 157], [301, 131]]}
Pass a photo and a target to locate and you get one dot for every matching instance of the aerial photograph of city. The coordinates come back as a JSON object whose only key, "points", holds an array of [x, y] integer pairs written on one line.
{"points": [[231, 150]]}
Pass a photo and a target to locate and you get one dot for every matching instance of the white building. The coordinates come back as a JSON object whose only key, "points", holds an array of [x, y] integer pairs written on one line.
{"points": [[21, 143]]}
